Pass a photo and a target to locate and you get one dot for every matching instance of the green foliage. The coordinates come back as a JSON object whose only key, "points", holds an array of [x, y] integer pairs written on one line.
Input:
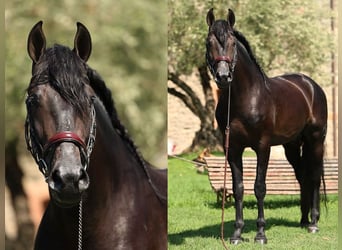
{"points": [[129, 51], [194, 217], [286, 36]]}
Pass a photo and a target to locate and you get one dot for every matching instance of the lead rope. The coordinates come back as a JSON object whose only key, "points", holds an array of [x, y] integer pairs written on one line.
{"points": [[90, 145], [226, 145], [79, 240]]}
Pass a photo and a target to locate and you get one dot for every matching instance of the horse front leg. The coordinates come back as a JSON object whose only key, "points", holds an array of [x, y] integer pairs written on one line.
{"points": [[263, 154], [235, 162]]}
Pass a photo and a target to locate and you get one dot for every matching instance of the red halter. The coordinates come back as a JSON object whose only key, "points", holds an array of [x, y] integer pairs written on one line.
{"points": [[223, 58], [65, 136]]}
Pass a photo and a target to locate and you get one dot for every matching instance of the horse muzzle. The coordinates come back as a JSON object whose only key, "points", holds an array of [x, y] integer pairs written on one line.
{"points": [[68, 178], [66, 187], [224, 75]]}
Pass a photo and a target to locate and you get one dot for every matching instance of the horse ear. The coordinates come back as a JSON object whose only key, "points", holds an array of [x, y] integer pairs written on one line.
{"points": [[82, 42], [210, 17], [36, 42], [231, 18]]}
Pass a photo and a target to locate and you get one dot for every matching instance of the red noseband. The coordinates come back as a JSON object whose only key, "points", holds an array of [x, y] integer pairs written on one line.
{"points": [[223, 58], [65, 136]]}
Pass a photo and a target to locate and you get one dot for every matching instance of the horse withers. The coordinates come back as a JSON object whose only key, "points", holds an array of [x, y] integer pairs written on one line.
{"points": [[104, 195], [288, 110]]}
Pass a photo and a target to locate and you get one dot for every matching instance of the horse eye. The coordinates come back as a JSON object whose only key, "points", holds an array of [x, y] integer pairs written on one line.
{"points": [[32, 100]]}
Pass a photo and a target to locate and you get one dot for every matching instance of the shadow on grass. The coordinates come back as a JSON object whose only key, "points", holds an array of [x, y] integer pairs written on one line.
{"points": [[214, 231], [286, 202]]}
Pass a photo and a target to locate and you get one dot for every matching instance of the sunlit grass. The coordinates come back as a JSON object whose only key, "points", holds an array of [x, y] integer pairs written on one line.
{"points": [[194, 217]]}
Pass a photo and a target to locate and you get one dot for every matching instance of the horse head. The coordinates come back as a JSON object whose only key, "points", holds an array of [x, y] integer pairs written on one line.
{"points": [[221, 45], [60, 123]]}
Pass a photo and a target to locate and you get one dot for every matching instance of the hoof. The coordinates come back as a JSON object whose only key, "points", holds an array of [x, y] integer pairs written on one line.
{"points": [[260, 240], [302, 225], [237, 241], [313, 229]]}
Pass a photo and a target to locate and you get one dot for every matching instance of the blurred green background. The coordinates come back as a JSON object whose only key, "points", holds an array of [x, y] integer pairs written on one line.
{"points": [[129, 52]]}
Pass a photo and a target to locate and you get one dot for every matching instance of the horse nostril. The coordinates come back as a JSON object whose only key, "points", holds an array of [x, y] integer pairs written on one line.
{"points": [[77, 181], [56, 182], [222, 77], [83, 181]]}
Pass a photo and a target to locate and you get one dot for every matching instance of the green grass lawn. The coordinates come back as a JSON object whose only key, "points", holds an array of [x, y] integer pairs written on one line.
{"points": [[194, 217]]}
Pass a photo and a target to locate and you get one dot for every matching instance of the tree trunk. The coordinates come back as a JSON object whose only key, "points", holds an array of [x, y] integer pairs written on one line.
{"points": [[14, 176], [207, 136]]}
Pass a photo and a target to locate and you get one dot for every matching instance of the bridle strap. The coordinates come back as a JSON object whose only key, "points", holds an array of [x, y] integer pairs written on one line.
{"points": [[62, 137], [223, 58], [52, 144], [40, 152], [231, 62], [65, 136]]}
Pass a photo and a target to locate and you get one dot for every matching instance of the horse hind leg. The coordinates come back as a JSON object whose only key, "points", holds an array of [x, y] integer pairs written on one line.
{"points": [[293, 154], [312, 163]]}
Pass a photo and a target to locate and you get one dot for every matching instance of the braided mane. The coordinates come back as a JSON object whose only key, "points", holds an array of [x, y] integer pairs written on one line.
{"points": [[105, 95], [242, 39]]}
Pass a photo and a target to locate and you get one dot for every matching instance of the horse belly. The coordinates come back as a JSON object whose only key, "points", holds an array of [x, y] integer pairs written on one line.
{"points": [[289, 122]]}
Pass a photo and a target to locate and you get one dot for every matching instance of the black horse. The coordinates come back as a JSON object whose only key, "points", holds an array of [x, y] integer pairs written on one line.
{"points": [[288, 110], [104, 195]]}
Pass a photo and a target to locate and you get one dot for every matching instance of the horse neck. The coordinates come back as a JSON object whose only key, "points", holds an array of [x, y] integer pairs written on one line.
{"points": [[112, 164], [248, 77]]}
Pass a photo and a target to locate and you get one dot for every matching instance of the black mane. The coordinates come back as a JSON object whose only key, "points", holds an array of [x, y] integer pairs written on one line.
{"points": [[105, 95], [242, 39], [65, 72], [219, 29]]}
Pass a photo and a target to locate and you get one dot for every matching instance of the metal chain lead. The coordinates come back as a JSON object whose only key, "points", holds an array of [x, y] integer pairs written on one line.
{"points": [[227, 131], [79, 240]]}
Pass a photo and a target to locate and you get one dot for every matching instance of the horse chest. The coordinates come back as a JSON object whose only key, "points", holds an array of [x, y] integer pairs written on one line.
{"points": [[242, 129], [247, 119]]}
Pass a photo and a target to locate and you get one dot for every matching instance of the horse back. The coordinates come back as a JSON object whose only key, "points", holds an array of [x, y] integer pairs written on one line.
{"points": [[300, 91], [300, 82]]}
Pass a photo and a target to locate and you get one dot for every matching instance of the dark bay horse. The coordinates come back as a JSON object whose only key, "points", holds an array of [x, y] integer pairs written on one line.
{"points": [[104, 195], [288, 110]]}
